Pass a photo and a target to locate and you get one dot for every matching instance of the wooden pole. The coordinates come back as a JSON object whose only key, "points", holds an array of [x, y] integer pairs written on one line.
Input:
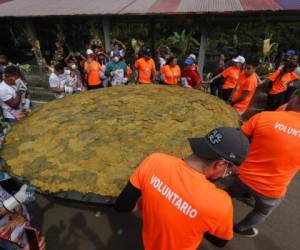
{"points": [[202, 51], [106, 31], [35, 43]]}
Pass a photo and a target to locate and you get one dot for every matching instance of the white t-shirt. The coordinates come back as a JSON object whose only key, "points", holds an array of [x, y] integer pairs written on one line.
{"points": [[162, 62], [57, 82], [6, 93]]}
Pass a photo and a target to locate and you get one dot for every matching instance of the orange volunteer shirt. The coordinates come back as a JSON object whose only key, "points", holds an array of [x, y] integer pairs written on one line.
{"points": [[245, 83], [273, 159], [179, 205], [171, 74], [94, 72], [280, 85], [231, 76], [145, 69]]}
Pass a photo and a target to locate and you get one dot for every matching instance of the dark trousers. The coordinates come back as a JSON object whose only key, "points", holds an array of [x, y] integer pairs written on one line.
{"points": [[99, 86], [226, 93], [275, 101], [263, 206], [289, 92], [216, 87]]}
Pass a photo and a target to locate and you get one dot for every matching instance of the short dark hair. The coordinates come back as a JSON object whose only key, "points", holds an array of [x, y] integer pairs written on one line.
{"points": [[59, 67], [12, 71], [254, 61], [170, 59]]}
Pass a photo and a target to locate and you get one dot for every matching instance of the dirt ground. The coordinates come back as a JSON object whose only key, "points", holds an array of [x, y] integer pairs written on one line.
{"points": [[73, 226]]}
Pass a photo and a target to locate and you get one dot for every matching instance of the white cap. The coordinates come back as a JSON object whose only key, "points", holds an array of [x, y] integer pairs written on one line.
{"points": [[73, 66], [239, 59], [89, 52], [193, 57]]}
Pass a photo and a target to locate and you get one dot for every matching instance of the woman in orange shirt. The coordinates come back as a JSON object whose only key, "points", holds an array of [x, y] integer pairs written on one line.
{"points": [[92, 69], [170, 73], [279, 82]]}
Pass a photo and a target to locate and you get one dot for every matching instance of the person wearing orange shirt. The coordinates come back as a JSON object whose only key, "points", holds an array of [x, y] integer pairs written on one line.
{"points": [[92, 69], [245, 88], [271, 164], [231, 75], [146, 68], [179, 204], [279, 82], [171, 73]]}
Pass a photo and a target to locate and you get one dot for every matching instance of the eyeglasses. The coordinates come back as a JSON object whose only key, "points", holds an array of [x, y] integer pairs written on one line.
{"points": [[229, 169]]}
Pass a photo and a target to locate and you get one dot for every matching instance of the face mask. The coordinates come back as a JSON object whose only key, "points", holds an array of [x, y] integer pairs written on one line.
{"points": [[116, 59]]}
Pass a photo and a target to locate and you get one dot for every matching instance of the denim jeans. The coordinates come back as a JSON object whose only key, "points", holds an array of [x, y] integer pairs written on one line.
{"points": [[7, 245], [263, 207]]}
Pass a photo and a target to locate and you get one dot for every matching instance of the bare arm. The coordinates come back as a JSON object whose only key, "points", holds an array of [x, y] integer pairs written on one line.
{"points": [[14, 102], [68, 57], [242, 97], [57, 90], [215, 78]]}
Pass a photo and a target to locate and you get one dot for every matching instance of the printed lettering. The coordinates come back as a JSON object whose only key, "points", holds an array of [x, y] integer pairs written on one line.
{"points": [[169, 194], [164, 190], [159, 187], [193, 213], [288, 130], [153, 179], [175, 197], [156, 183], [182, 206], [178, 203]]}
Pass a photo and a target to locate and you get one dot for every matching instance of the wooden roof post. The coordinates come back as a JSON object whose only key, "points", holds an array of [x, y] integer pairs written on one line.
{"points": [[32, 38], [202, 51], [106, 31]]}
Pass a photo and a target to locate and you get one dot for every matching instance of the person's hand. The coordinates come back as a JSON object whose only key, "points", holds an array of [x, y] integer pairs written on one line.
{"points": [[28, 94], [230, 102], [13, 221], [138, 206], [42, 245], [25, 194], [5, 231]]}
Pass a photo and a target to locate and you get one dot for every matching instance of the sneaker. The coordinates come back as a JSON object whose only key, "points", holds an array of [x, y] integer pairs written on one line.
{"points": [[250, 233]]}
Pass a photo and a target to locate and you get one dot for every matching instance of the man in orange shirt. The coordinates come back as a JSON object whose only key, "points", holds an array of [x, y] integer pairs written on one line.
{"points": [[231, 75], [92, 68], [279, 82], [180, 205], [271, 163], [146, 68], [245, 88]]}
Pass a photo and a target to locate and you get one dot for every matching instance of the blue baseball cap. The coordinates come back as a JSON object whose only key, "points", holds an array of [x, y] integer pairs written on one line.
{"points": [[291, 53], [189, 61]]}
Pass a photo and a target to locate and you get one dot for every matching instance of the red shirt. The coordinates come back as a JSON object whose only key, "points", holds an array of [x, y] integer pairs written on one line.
{"points": [[192, 77]]}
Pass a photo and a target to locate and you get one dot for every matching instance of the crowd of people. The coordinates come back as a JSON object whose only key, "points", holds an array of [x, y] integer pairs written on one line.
{"points": [[234, 80], [180, 205]]}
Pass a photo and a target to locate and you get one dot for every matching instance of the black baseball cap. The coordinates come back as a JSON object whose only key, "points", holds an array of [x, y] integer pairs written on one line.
{"points": [[221, 143], [147, 52]]}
